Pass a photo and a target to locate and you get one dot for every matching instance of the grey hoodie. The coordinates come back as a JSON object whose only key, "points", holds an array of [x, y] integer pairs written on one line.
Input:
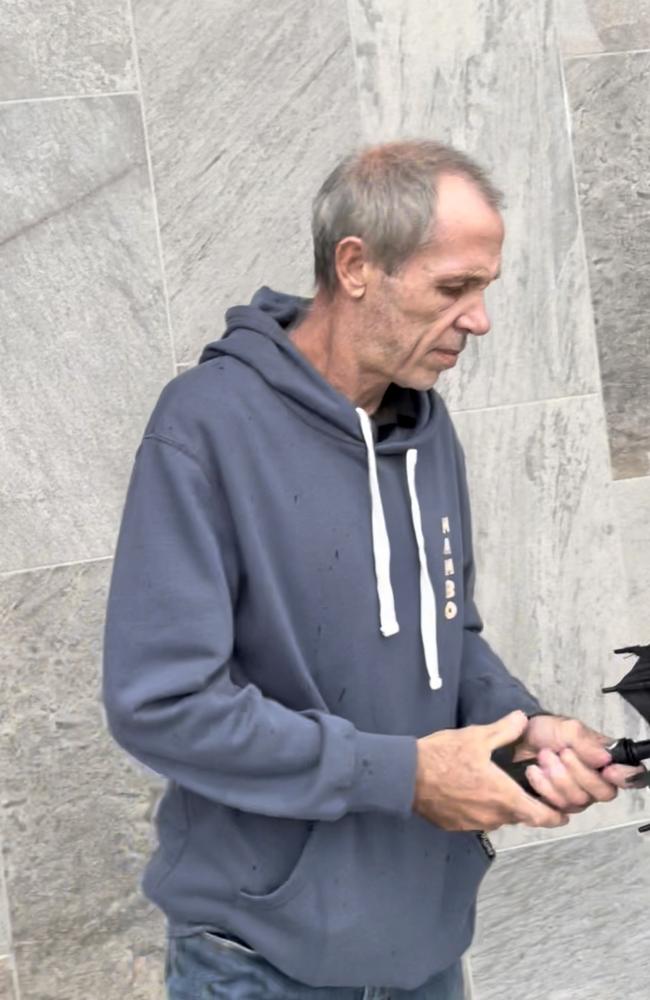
{"points": [[290, 609]]}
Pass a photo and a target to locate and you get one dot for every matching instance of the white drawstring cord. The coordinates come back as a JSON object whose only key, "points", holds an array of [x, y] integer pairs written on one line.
{"points": [[428, 612], [388, 623]]}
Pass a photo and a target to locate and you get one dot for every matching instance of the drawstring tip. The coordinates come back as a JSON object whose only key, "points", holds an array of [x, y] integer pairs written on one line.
{"points": [[390, 629], [435, 683]]}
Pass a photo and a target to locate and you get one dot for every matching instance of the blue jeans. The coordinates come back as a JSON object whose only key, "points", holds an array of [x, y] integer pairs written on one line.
{"points": [[202, 966]]}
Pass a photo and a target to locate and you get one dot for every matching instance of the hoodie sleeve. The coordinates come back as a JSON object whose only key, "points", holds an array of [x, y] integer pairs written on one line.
{"points": [[488, 690], [169, 648]]}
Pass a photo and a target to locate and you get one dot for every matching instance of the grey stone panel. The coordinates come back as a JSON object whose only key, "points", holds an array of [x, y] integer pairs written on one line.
{"points": [[75, 811], [551, 582], [7, 980], [610, 102], [566, 921], [586, 26], [248, 108], [485, 75], [632, 505], [5, 931], [63, 47], [85, 343]]}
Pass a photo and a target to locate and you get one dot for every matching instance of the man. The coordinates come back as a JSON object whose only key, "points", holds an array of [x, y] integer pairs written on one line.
{"points": [[291, 636]]}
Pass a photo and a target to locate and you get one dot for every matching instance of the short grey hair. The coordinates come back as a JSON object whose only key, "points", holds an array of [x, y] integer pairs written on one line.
{"points": [[386, 195]]}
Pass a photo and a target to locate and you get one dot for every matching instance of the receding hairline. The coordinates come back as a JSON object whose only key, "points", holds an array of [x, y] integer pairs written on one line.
{"points": [[387, 194], [417, 153]]}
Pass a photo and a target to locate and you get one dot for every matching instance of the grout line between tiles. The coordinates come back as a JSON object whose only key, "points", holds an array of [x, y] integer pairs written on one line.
{"points": [[524, 402], [585, 265], [597, 55], [152, 186], [59, 565], [574, 836], [631, 479], [70, 97]]}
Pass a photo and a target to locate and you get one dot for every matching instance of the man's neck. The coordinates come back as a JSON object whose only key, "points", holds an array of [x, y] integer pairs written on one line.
{"points": [[326, 337]]}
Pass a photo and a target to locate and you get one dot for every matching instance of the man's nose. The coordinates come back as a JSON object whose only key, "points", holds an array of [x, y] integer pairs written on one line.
{"points": [[475, 319]]}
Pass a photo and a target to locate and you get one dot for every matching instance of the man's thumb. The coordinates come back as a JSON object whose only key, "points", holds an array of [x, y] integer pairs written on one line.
{"points": [[506, 730]]}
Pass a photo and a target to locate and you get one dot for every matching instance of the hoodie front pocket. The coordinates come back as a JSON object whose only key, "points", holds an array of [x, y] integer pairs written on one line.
{"points": [[293, 884], [371, 898]]}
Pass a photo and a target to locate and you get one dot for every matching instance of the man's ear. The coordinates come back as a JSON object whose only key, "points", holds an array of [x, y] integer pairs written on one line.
{"points": [[352, 266]]}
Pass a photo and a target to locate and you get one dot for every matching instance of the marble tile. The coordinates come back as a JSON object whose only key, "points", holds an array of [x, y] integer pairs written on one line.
{"points": [[610, 104], [7, 980], [586, 26], [121, 965], [84, 339], [631, 499], [551, 583], [566, 921], [486, 77], [5, 931], [248, 108], [75, 811], [63, 47]]}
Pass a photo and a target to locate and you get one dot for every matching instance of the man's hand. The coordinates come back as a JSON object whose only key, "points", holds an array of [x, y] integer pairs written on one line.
{"points": [[570, 757], [458, 787]]}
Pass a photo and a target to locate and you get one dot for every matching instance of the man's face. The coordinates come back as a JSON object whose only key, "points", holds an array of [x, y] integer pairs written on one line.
{"points": [[419, 318]]}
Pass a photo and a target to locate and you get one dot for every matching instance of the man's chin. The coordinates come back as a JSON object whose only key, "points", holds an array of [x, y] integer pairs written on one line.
{"points": [[422, 384]]}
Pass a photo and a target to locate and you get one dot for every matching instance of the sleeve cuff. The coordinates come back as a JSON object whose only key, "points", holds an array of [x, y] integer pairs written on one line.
{"points": [[385, 774]]}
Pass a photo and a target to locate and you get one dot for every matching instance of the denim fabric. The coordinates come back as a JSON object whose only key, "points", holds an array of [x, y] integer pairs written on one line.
{"points": [[202, 967]]}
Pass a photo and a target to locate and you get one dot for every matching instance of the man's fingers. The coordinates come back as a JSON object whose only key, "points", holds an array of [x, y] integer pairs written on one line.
{"points": [[532, 812], [590, 781], [545, 787], [590, 747], [506, 730], [620, 775], [524, 808], [568, 784]]}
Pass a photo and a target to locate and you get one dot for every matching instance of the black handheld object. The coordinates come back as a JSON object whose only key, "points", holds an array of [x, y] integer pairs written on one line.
{"points": [[623, 751], [635, 688]]}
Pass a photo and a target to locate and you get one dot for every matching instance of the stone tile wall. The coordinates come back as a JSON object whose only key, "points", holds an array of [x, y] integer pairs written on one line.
{"points": [[158, 162]]}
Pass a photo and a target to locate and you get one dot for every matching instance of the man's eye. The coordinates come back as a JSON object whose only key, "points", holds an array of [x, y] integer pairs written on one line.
{"points": [[452, 290]]}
